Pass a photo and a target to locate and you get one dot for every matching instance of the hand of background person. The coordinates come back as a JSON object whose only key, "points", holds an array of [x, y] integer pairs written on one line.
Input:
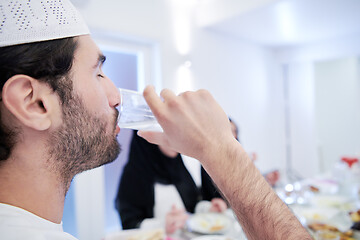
{"points": [[175, 219], [218, 205], [272, 177], [193, 123]]}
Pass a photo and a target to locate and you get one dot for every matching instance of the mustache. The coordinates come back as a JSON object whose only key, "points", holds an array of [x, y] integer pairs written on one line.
{"points": [[117, 116]]}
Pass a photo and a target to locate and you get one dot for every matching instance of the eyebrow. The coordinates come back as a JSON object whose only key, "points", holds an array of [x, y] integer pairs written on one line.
{"points": [[100, 61]]}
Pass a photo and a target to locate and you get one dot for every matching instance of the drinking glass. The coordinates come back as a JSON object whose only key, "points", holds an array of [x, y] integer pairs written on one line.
{"points": [[135, 113]]}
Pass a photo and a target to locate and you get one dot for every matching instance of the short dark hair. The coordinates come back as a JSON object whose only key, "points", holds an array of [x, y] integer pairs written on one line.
{"points": [[48, 61]]}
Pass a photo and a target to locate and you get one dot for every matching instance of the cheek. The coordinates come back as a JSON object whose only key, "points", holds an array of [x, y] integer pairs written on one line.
{"points": [[98, 104], [93, 95]]}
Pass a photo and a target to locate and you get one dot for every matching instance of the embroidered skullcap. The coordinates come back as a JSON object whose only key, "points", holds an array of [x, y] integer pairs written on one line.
{"points": [[27, 21]]}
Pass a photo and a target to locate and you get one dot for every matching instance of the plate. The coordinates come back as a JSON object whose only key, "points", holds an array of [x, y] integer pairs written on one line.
{"points": [[333, 201], [209, 223], [136, 234], [313, 214], [212, 237]]}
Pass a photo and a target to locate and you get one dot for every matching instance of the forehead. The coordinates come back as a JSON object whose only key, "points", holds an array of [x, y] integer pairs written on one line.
{"points": [[87, 51]]}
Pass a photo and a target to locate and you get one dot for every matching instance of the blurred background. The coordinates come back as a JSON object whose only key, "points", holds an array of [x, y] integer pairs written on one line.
{"points": [[286, 71]]}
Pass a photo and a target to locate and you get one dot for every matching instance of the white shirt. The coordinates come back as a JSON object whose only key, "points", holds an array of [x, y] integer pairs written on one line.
{"points": [[194, 168], [167, 195], [19, 224]]}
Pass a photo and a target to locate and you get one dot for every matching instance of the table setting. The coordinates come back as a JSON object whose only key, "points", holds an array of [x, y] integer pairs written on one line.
{"points": [[328, 205], [199, 226], [211, 226]]}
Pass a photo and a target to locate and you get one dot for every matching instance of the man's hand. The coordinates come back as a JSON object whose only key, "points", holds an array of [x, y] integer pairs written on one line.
{"points": [[193, 122]]}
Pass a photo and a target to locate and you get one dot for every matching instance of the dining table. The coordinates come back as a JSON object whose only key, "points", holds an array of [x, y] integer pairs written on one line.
{"points": [[316, 202], [323, 206], [199, 226]]}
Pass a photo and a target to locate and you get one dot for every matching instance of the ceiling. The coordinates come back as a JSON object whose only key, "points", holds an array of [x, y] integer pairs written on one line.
{"points": [[294, 22]]}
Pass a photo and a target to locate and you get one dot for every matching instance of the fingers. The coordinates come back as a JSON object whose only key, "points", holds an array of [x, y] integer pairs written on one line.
{"points": [[176, 211], [173, 209], [152, 99], [191, 122], [167, 94], [157, 138], [175, 219], [218, 205], [159, 106]]}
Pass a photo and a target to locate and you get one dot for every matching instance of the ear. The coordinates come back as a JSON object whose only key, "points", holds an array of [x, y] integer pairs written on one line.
{"points": [[29, 101]]}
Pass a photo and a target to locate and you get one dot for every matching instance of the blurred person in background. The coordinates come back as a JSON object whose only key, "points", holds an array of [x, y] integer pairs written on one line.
{"points": [[149, 168], [149, 165]]}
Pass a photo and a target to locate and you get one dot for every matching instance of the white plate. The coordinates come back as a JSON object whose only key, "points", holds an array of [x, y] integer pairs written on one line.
{"points": [[212, 237], [209, 223], [316, 214], [332, 216], [336, 201], [126, 234]]}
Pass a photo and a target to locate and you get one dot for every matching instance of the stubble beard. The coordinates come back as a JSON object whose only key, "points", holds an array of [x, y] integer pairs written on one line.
{"points": [[81, 143]]}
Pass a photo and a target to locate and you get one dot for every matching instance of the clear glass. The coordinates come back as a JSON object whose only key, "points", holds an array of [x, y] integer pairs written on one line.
{"points": [[135, 113]]}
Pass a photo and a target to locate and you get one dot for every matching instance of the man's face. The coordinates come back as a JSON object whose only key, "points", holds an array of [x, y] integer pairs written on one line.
{"points": [[87, 137]]}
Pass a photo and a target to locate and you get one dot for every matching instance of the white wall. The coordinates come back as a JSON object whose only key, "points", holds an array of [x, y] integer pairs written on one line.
{"points": [[303, 139], [242, 78], [239, 74], [308, 153], [337, 109]]}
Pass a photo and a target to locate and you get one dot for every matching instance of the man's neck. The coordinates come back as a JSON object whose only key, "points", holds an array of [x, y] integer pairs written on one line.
{"points": [[32, 188]]}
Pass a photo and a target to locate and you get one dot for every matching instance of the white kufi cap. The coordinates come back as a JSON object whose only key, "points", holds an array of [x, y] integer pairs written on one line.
{"points": [[27, 21]]}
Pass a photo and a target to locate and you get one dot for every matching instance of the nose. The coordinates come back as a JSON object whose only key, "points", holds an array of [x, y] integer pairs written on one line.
{"points": [[113, 94]]}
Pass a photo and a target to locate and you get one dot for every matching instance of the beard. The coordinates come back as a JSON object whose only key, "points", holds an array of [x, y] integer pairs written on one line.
{"points": [[82, 142]]}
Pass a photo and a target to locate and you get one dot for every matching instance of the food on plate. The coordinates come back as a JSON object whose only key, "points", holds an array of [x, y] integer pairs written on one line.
{"points": [[317, 216], [326, 235], [329, 231], [217, 227], [321, 226], [355, 216], [157, 234], [212, 226], [314, 189], [208, 223], [213, 237]]}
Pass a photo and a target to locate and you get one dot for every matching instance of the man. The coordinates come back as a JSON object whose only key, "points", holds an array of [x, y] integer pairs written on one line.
{"points": [[58, 118]]}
